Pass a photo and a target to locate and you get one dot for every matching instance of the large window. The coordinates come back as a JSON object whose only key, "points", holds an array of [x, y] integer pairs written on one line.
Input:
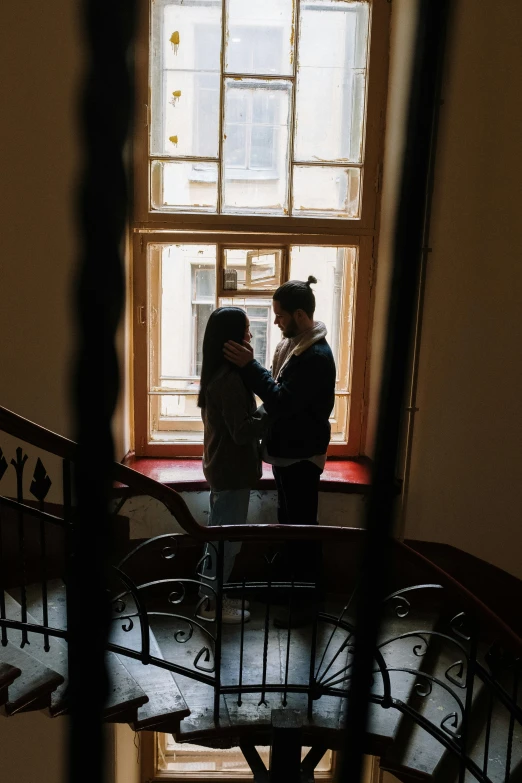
{"points": [[258, 161]]}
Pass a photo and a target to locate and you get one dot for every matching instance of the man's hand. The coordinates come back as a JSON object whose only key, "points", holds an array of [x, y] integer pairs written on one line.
{"points": [[240, 355]]}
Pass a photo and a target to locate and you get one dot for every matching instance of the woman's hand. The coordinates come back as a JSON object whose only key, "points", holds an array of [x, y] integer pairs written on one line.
{"points": [[240, 355]]}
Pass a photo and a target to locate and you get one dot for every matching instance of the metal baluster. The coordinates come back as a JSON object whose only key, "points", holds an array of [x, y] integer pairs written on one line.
{"points": [[511, 723], [43, 564], [2, 594], [288, 637], [267, 631], [488, 734], [241, 644], [470, 682], [19, 465], [219, 629], [313, 648]]}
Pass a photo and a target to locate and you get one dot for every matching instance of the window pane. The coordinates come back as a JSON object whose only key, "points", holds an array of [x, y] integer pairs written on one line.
{"points": [[327, 191], [175, 419], [255, 270], [186, 294], [265, 335], [185, 79], [335, 270], [260, 37], [183, 184], [339, 419], [331, 84], [211, 762], [256, 146]]}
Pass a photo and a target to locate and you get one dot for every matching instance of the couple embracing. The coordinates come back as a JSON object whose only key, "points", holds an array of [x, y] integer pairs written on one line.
{"points": [[292, 423]]}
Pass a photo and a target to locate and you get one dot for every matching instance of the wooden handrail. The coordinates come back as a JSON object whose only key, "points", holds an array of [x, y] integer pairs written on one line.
{"points": [[36, 435], [468, 600], [45, 439]]}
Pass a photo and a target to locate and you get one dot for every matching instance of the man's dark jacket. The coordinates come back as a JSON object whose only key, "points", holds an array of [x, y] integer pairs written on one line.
{"points": [[299, 403]]}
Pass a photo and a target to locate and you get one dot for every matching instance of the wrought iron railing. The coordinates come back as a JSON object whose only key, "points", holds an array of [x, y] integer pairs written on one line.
{"points": [[444, 655]]}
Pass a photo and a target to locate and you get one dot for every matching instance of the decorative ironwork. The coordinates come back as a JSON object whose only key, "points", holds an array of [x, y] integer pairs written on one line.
{"points": [[41, 483], [3, 464]]}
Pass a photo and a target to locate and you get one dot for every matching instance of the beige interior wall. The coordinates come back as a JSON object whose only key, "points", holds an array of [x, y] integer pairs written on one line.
{"points": [[40, 63], [465, 486], [33, 749]]}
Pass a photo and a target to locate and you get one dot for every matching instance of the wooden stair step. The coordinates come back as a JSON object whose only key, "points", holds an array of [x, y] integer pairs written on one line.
{"points": [[415, 751], [55, 658], [383, 724], [448, 769], [165, 701], [8, 674], [125, 695], [328, 711], [33, 688]]}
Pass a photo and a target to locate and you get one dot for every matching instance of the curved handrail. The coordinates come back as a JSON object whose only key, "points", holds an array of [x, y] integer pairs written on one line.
{"points": [[492, 621], [39, 436]]}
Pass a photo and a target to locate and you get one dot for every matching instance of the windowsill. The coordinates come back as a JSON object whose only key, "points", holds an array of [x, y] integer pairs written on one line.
{"points": [[350, 476]]}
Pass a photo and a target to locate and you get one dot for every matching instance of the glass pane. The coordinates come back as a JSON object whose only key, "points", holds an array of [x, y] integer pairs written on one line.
{"points": [[326, 191], [185, 78], [184, 185], [260, 37], [252, 270], [255, 146], [339, 419], [187, 285], [175, 419], [331, 83], [194, 759], [265, 334], [335, 270]]}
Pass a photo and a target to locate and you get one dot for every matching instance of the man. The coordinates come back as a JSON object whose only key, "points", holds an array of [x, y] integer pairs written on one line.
{"points": [[298, 396]]}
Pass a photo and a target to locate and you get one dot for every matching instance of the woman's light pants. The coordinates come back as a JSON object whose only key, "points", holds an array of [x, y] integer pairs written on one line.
{"points": [[227, 507]]}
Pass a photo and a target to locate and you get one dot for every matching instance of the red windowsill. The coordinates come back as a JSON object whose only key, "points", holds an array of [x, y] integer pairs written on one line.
{"points": [[186, 475]]}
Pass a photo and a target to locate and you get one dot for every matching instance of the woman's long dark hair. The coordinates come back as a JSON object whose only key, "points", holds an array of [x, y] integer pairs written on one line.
{"points": [[225, 323]]}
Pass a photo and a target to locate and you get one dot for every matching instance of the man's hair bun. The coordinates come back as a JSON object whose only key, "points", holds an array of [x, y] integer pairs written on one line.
{"points": [[311, 280]]}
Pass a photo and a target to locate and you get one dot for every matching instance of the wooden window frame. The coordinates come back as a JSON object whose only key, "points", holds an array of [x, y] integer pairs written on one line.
{"points": [[150, 226], [150, 774]]}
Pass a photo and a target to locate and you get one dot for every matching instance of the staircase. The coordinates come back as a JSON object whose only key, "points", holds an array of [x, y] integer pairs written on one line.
{"points": [[445, 703]]}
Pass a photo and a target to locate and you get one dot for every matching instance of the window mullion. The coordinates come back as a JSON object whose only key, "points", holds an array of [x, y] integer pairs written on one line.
{"points": [[290, 189], [224, 25]]}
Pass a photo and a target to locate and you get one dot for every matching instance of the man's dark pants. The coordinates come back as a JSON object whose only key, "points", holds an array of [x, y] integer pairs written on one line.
{"points": [[298, 498]]}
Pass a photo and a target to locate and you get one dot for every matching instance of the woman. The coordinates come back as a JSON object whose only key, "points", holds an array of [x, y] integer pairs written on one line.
{"points": [[231, 455]]}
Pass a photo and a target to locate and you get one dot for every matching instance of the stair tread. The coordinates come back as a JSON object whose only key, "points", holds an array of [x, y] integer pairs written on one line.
{"points": [[498, 740], [328, 711], [8, 674], [124, 692], [383, 724], [416, 750], [166, 702], [35, 680]]}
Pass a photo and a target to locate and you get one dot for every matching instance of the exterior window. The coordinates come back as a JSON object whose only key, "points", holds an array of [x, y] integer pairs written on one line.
{"points": [[257, 160], [261, 111], [187, 762]]}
